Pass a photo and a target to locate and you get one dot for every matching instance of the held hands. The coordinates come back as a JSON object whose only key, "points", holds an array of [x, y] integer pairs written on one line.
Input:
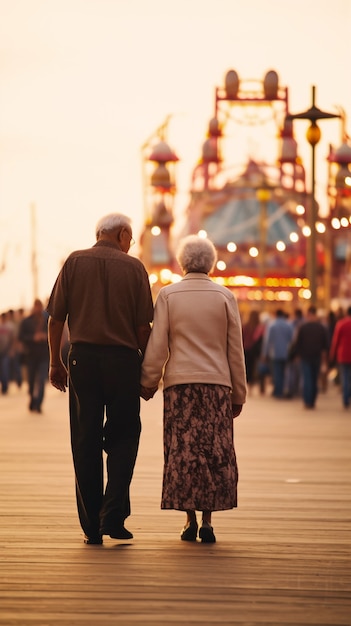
{"points": [[58, 376], [236, 408], [147, 392]]}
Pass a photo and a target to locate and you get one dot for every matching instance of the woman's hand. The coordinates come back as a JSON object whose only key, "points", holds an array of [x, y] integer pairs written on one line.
{"points": [[236, 408]]}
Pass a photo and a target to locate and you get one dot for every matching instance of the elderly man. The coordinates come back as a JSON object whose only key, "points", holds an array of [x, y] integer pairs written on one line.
{"points": [[105, 296]]}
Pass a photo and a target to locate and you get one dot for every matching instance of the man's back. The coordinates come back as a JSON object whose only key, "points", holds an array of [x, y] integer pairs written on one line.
{"points": [[312, 339], [278, 338], [105, 294]]}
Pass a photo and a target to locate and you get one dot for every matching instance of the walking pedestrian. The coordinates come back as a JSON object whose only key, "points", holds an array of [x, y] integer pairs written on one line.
{"points": [[15, 365], [6, 343], [196, 348], [104, 294], [293, 369], [33, 334], [276, 342], [340, 351], [253, 331], [311, 345]]}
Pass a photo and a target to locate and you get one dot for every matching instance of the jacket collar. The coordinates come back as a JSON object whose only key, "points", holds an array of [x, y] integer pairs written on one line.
{"points": [[196, 276]]}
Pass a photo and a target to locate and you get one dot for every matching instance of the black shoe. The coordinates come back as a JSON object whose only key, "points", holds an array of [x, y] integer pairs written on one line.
{"points": [[189, 532], [206, 533], [119, 532], [34, 406], [94, 540]]}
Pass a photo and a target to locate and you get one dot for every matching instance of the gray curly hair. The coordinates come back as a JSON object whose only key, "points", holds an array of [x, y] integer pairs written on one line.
{"points": [[196, 254]]}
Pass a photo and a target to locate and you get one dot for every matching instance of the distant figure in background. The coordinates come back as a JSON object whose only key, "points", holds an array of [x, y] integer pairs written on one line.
{"points": [[311, 345], [333, 318], [264, 374], [253, 331], [6, 342], [340, 352], [293, 369], [331, 323], [196, 347], [276, 341], [33, 333], [15, 366]]}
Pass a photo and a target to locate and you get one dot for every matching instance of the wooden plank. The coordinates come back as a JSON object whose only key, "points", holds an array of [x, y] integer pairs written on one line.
{"points": [[283, 557]]}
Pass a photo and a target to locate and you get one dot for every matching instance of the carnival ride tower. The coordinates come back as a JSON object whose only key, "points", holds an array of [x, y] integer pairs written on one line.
{"points": [[247, 194]]}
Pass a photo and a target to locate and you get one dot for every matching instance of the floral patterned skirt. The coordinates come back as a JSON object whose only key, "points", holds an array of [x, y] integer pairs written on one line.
{"points": [[200, 469]]}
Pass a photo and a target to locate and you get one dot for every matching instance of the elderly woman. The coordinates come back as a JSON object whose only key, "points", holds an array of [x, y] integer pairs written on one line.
{"points": [[196, 347]]}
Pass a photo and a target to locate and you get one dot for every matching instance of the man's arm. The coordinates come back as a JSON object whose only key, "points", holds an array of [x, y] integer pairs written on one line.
{"points": [[143, 334], [58, 371]]}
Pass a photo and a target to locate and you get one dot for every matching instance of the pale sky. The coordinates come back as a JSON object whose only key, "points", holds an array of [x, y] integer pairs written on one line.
{"points": [[84, 83]]}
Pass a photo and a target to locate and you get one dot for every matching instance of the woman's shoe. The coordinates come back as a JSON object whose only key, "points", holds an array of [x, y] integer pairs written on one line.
{"points": [[189, 532], [206, 533]]}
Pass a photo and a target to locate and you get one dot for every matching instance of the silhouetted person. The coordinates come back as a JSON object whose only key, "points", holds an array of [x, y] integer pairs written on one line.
{"points": [[340, 352], [6, 343], [33, 333], [293, 369], [311, 345], [15, 364], [253, 331], [276, 341]]}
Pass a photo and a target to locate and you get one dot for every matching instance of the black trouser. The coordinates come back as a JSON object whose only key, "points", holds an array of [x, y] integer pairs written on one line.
{"points": [[37, 370], [103, 379]]}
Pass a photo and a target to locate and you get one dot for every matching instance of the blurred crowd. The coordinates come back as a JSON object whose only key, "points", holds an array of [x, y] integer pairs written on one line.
{"points": [[24, 352], [297, 355], [288, 355]]}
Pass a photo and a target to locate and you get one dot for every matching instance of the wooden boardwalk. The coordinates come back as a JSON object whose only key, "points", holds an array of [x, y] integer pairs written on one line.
{"points": [[282, 558]]}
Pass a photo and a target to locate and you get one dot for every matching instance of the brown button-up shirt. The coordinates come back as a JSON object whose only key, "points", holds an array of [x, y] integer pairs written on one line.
{"points": [[105, 295]]}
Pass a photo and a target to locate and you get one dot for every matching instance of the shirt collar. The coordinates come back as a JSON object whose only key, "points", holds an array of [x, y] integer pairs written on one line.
{"points": [[108, 244]]}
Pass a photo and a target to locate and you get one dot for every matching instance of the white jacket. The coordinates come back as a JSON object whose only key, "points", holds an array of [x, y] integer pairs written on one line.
{"points": [[196, 337]]}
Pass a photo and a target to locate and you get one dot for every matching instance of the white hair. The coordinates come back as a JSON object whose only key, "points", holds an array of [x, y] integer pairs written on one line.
{"points": [[196, 254], [112, 221]]}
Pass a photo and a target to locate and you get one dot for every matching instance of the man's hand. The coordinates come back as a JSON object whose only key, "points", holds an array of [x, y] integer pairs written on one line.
{"points": [[58, 376], [147, 392]]}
